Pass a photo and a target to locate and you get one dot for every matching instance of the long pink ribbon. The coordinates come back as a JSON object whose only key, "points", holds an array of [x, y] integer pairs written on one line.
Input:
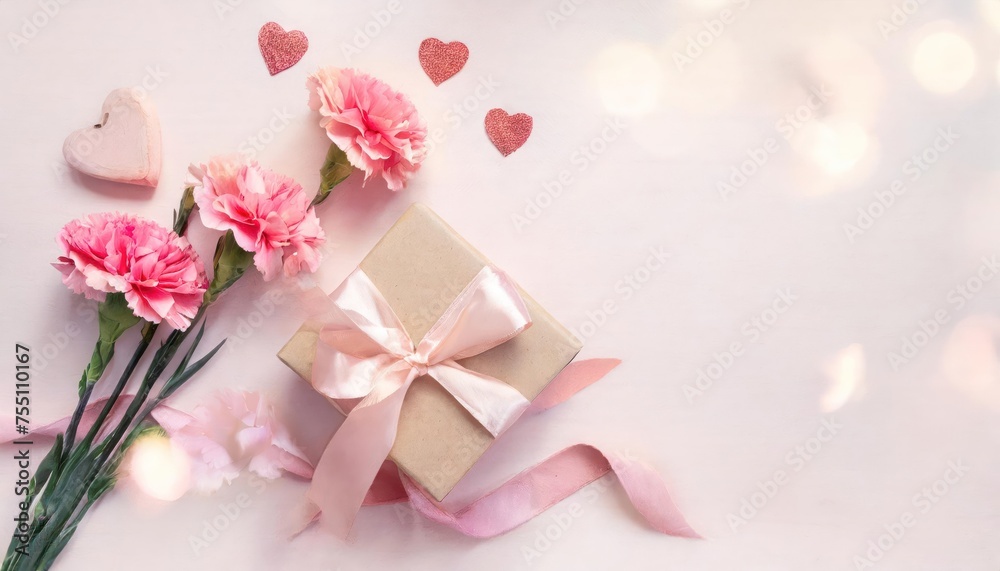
{"points": [[513, 503], [544, 485], [10, 433], [366, 353]]}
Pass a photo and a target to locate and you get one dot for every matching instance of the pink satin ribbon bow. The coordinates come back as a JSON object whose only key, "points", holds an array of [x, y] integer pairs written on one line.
{"points": [[365, 353]]}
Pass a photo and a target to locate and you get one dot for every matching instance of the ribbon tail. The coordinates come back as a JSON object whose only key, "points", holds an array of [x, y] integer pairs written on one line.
{"points": [[577, 376], [648, 493], [495, 404], [538, 488], [350, 464]]}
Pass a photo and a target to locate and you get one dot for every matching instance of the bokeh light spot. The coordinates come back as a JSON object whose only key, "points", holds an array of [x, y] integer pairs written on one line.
{"points": [[629, 79], [944, 62], [159, 468]]}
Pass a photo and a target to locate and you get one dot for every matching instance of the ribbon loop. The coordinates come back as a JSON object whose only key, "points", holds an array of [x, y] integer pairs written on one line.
{"points": [[496, 405], [487, 313], [361, 322]]}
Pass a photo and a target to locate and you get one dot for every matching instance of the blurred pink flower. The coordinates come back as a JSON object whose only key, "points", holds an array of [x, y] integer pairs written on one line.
{"points": [[377, 128], [159, 272], [269, 214], [236, 431]]}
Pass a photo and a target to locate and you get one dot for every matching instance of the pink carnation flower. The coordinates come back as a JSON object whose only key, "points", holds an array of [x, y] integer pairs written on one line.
{"points": [[236, 431], [376, 127], [159, 272], [269, 214]]}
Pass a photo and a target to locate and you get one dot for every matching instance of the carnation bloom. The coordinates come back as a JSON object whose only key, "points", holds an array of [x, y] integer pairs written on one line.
{"points": [[159, 272], [376, 127], [236, 431], [269, 214]]}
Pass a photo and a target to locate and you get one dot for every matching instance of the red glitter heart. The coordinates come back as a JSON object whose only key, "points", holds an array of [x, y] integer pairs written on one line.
{"points": [[440, 60], [281, 49], [508, 132]]}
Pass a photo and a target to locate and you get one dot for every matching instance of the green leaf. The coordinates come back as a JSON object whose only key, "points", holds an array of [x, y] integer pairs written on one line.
{"points": [[335, 169], [194, 345], [176, 381]]}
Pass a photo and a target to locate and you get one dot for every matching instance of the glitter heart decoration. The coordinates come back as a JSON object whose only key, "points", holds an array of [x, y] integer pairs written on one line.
{"points": [[440, 60], [507, 132], [281, 49]]}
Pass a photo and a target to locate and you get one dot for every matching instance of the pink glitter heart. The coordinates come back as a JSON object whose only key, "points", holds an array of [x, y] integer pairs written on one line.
{"points": [[508, 132], [440, 60], [281, 49]]}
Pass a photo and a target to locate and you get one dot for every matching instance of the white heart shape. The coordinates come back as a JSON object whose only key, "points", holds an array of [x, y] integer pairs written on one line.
{"points": [[125, 146]]}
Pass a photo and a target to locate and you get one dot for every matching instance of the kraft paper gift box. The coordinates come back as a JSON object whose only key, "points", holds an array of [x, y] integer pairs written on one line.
{"points": [[420, 266]]}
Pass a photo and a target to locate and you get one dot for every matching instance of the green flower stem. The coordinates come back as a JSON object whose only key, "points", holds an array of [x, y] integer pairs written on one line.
{"points": [[114, 319], [99, 361], [156, 368], [87, 389], [61, 500], [147, 338], [54, 456], [90, 474]]}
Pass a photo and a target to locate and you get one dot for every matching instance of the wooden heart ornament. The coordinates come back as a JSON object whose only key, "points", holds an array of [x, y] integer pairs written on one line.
{"points": [[281, 49], [125, 146], [508, 132], [440, 60]]}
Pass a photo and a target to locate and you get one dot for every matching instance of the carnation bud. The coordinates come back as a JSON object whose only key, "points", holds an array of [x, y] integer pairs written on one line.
{"points": [[183, 212], [336, 168]]}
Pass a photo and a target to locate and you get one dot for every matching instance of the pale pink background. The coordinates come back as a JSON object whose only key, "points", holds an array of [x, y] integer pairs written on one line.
{"points": [[655, 185]]}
